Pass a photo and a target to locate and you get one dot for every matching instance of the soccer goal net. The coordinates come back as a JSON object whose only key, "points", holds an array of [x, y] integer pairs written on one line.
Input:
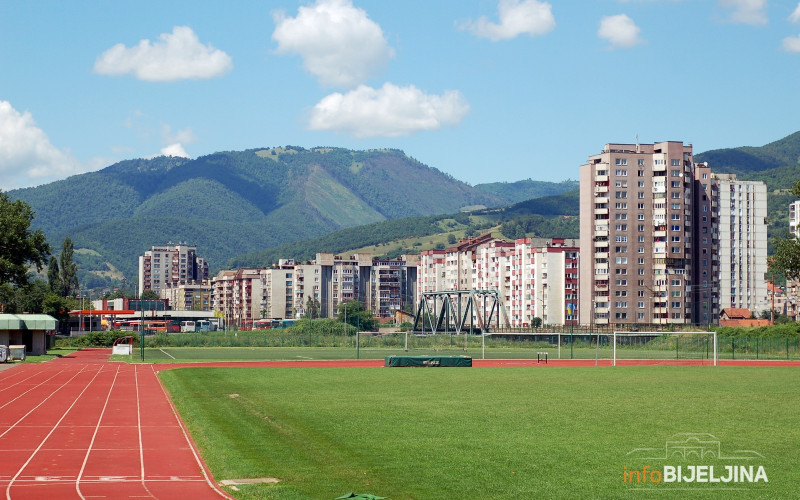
{"points": [[670, 347]]}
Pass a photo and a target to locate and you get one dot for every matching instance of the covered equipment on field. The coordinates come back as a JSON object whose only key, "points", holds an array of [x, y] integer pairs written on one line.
{"points": [[428, 361]]}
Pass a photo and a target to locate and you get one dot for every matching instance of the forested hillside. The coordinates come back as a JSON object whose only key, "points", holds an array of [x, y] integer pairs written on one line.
{"points": [[413, 235], [515, 192], [235, 202]]}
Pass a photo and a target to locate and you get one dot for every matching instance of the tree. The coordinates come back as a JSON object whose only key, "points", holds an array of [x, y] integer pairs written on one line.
{"points": [[20, 248], [786, 256], [354, 313], [53, 277], [312, 308], [67, 270], [149, 295]]}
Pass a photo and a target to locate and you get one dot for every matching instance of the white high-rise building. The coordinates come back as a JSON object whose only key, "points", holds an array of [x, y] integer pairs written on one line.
{"points": [[742, 243]]}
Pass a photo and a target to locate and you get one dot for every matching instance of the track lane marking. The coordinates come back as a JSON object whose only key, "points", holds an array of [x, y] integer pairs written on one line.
{"points": [[186, 437], [94, 436], [38, 448], [139, 426]]}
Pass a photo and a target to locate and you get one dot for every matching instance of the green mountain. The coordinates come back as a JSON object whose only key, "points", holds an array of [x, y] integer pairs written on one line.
{"points": [[231, 203], [547, 217], [747, 160], [515, 192]]}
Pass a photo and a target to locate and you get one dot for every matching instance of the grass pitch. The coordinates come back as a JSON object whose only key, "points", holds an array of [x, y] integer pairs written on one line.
{"points": [[484, 433]]}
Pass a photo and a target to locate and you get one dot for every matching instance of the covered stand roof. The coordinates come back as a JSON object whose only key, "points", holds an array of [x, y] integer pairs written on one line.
{"points": [[27, 322]]}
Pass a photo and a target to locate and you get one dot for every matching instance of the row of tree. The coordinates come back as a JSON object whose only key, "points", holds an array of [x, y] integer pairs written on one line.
{"points": [[23, 250]]}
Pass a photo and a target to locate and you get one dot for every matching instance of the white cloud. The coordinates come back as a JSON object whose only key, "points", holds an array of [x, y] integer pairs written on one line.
{"points": [[795, 16], [517, 17], [27, 158], [620, 31], [746, 11], [339, 43], [791, 43], [390, 111], [174, 150], [175, 56], [185, 136]]}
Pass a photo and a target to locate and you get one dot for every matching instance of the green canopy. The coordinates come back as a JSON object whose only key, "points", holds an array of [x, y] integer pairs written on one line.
{"points": [[27, 322]]}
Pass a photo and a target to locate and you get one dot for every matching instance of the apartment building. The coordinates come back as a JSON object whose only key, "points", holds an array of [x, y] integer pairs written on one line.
{"points": [[169, 266], [393, 286], [430, 271], [646, 220], [189, 297], [544, 282], [277, 289], [742, 243], [534, 277], [238, 296]]}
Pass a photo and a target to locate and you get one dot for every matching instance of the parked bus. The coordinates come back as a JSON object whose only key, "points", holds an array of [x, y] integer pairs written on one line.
{"points": [[205, 325], [282, 323], [262, 324], [188, 326]]}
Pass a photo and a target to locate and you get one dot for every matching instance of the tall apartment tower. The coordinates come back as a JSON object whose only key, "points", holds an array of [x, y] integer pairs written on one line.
{"points": [[743, 243], [641, 209], [171, 265]]}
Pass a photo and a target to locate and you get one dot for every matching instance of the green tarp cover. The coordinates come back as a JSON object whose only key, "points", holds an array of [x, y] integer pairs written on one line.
{"points": [[426, 361]]}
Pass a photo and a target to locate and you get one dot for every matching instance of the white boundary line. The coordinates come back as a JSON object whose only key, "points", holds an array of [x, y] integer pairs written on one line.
{"points": [[168, 354], [94, 435], [200, 463]]}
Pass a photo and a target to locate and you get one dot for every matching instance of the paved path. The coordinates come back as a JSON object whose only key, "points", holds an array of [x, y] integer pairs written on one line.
{"points": [[83, 427]]}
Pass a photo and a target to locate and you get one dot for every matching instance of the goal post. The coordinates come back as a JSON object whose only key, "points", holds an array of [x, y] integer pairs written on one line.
{"points": [[699, 346]]}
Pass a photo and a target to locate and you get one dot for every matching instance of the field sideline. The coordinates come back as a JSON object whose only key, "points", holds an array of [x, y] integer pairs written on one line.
{"points": [[482, 433]]}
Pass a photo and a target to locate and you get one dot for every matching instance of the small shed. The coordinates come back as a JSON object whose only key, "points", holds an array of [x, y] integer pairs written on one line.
{"points": [[29, 330]]}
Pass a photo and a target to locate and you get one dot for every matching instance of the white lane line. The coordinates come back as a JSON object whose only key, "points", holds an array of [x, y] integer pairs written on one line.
{"points": [[139, 426], [186, 437], [168, 354], [94, 436], [10, 483], [26, 392]]}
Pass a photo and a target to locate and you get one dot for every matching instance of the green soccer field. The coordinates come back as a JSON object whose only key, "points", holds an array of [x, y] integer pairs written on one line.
{"points": [[486, 433]]}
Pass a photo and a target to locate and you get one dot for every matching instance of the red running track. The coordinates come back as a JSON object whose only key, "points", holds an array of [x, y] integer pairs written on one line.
{"points": [[82, 427]]}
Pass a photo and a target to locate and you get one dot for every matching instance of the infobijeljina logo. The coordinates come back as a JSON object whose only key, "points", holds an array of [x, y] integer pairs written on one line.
{"points": [[693, 461]]}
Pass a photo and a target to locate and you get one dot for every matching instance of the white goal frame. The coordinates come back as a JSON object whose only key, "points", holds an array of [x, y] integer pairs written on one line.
{"points": [[628, 333]]}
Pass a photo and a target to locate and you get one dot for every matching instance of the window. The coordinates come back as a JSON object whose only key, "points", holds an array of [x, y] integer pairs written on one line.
{"points": [[621, 304], [640, 163], [621, 206], [621, 216], [675, 184], [621, 239], [640, 217], [640, 304], [640, 227], [621, 227], [641, 184], [640, 195], [675, 216], [621, 161], [640, 206], [622, 260], [675, 163], [620, 194], [675, 227], [675, 195], [675, 173], [675, 239], [621, 282], [622, 184]]}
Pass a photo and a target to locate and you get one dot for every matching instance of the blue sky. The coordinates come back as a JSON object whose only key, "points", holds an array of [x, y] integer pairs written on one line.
{"points": [[484, 90]]}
